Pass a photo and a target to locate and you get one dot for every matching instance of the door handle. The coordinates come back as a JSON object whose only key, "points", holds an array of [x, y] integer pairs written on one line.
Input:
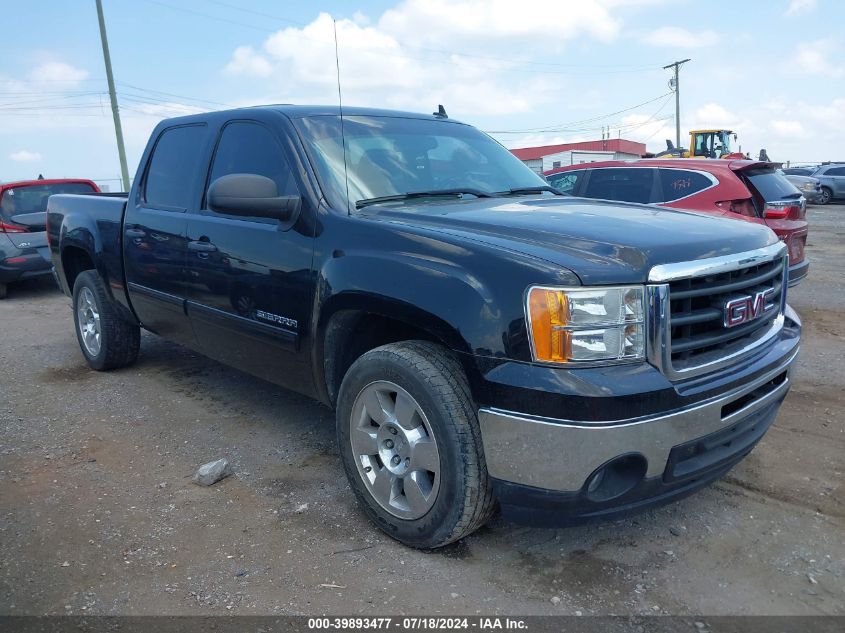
{"points": [[135, 233], [201, 246]]}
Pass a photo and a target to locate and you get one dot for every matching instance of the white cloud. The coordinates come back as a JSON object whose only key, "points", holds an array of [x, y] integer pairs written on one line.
{"points": [[402, 58], [245, 61], [54, 71], [676, 37], [812, 58], [788, 128], [24, 156], [798, 7]]}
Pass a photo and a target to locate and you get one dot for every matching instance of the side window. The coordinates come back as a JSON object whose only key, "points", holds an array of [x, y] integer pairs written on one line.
{"points": [[250, 148], [625, 184], [680, 183], [836, 171], [567, 182], [173, 166]]}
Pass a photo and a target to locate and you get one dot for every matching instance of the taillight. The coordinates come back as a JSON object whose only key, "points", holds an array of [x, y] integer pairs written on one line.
{"points": [[783, 210], [5, 227], [742, 206]]}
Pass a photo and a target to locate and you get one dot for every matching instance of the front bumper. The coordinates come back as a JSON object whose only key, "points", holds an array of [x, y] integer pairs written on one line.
{"points": [[812, 196], [552, 471]]}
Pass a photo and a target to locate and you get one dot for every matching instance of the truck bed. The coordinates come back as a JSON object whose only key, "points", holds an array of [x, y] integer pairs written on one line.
{"points": [[89, 222]]}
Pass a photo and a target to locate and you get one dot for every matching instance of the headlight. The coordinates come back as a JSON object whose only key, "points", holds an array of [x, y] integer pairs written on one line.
{"points": [[586, 324], [808, 186]]}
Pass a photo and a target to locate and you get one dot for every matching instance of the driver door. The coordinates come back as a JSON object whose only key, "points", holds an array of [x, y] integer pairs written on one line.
{"points": [[250, 282]]}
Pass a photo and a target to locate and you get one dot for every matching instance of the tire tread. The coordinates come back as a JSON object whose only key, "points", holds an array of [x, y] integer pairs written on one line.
{"points": [[121, 340]]}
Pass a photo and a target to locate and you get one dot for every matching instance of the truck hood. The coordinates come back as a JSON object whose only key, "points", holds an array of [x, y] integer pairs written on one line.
{"points": [[602, 242]]}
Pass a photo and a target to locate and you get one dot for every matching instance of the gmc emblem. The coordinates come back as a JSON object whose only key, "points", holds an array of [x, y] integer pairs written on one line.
{"points": [[742, 309]]}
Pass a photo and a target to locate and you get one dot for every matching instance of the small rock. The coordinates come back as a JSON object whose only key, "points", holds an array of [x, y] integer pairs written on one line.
{"points": [[700, 625], [301, 508], [578, 613], [455, 595], [812, 579], [65, 564], [669, 552], [163, 484], [674, 531], [212, 472], [555, 600]]}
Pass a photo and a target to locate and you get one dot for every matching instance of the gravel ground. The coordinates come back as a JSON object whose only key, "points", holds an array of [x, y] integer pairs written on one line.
{"points": [[98, 513]]}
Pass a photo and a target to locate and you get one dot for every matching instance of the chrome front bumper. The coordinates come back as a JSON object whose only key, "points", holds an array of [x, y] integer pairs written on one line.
{"points": [[559, 455]]}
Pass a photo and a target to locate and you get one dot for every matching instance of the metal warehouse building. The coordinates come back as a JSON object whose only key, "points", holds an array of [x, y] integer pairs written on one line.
{"points": [[546, 157]]}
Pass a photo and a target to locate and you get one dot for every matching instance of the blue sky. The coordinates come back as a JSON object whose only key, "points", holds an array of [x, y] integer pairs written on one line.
{"points": [[531, 72]]}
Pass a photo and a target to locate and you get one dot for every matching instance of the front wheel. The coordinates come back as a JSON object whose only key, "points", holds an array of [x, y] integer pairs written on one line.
{"points": [[825, 196], [411, 445], [107, 341], [3, 291]]}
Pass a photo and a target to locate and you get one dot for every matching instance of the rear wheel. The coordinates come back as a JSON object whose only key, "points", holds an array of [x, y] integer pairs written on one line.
{"points": [[825, 196], [411, 445], [107, 341], [3, 291]]}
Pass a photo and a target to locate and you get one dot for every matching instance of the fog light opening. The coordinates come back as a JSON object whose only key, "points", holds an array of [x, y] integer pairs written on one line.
{"points": [[615, 478]]}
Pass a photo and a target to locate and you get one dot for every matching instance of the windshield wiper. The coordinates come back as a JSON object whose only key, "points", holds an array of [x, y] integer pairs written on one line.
{"points": [[527, 190], [423, 194]]}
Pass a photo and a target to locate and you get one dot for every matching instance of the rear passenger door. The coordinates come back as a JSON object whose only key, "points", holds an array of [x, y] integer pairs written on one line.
{"points": [[251, 286], [625, 184], [154, 230]]}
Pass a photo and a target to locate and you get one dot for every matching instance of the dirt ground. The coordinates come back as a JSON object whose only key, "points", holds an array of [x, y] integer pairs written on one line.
{"points": [[98, 513]]}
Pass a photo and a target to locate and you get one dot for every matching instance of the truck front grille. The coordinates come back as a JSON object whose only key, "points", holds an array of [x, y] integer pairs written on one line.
{"points": [[697, 309], [691, 331]]}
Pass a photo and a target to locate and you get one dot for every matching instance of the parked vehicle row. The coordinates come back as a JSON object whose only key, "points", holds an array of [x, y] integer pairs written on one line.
{"points": [[831, 177], [481, 337], [752, 191], [23, 216]]}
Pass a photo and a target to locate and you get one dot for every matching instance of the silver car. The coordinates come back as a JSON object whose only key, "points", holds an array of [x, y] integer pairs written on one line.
{"points": [[810, 187], [832, 180]]}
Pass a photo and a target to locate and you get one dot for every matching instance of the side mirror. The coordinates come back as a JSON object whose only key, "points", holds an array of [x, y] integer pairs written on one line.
{"points": [[251, 195]]}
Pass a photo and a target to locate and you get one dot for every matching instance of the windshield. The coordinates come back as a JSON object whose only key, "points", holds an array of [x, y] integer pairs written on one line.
{"points": [[33, 198], [392, 156]]}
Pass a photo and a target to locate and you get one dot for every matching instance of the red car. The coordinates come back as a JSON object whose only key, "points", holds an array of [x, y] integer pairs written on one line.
{"points": [[742, 189], [24, 252]]}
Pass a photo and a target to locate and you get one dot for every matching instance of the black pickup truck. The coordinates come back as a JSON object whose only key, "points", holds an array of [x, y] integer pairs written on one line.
{"points": [[483, 339]]}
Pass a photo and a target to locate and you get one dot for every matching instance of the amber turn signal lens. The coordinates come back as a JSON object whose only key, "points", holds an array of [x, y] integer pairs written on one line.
{"points": [[547, 312]]}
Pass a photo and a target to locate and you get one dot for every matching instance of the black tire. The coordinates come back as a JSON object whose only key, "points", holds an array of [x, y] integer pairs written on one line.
{"points": [[3, 291], [434, 378], [120, 340], [827, 195]]}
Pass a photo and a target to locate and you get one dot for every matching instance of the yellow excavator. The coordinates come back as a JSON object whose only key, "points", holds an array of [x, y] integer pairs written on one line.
{"points": [[704, 144]]}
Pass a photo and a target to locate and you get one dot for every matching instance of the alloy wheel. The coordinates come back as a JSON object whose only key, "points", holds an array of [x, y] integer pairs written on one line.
{"points": [[395, 450]]}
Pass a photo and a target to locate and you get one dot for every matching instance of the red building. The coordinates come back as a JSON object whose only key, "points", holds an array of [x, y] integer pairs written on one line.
{"points": [[546, 157]]}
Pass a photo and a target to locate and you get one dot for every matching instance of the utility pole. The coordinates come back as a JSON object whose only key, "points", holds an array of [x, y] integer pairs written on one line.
{"points": [[677, 86], [118, 130]]}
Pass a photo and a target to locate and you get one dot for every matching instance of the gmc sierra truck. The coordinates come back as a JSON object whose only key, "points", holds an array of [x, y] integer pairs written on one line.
{"points": [[483, 339]]}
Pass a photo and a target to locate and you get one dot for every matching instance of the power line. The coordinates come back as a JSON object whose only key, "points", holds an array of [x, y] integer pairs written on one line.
{"points": [[564, 127]]}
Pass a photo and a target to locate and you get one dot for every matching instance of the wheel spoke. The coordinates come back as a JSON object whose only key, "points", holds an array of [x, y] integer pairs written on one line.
{"points": [[383, 486], [417, 492], [424, 456], [364, 442], [374, 407], [405, 412]]}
